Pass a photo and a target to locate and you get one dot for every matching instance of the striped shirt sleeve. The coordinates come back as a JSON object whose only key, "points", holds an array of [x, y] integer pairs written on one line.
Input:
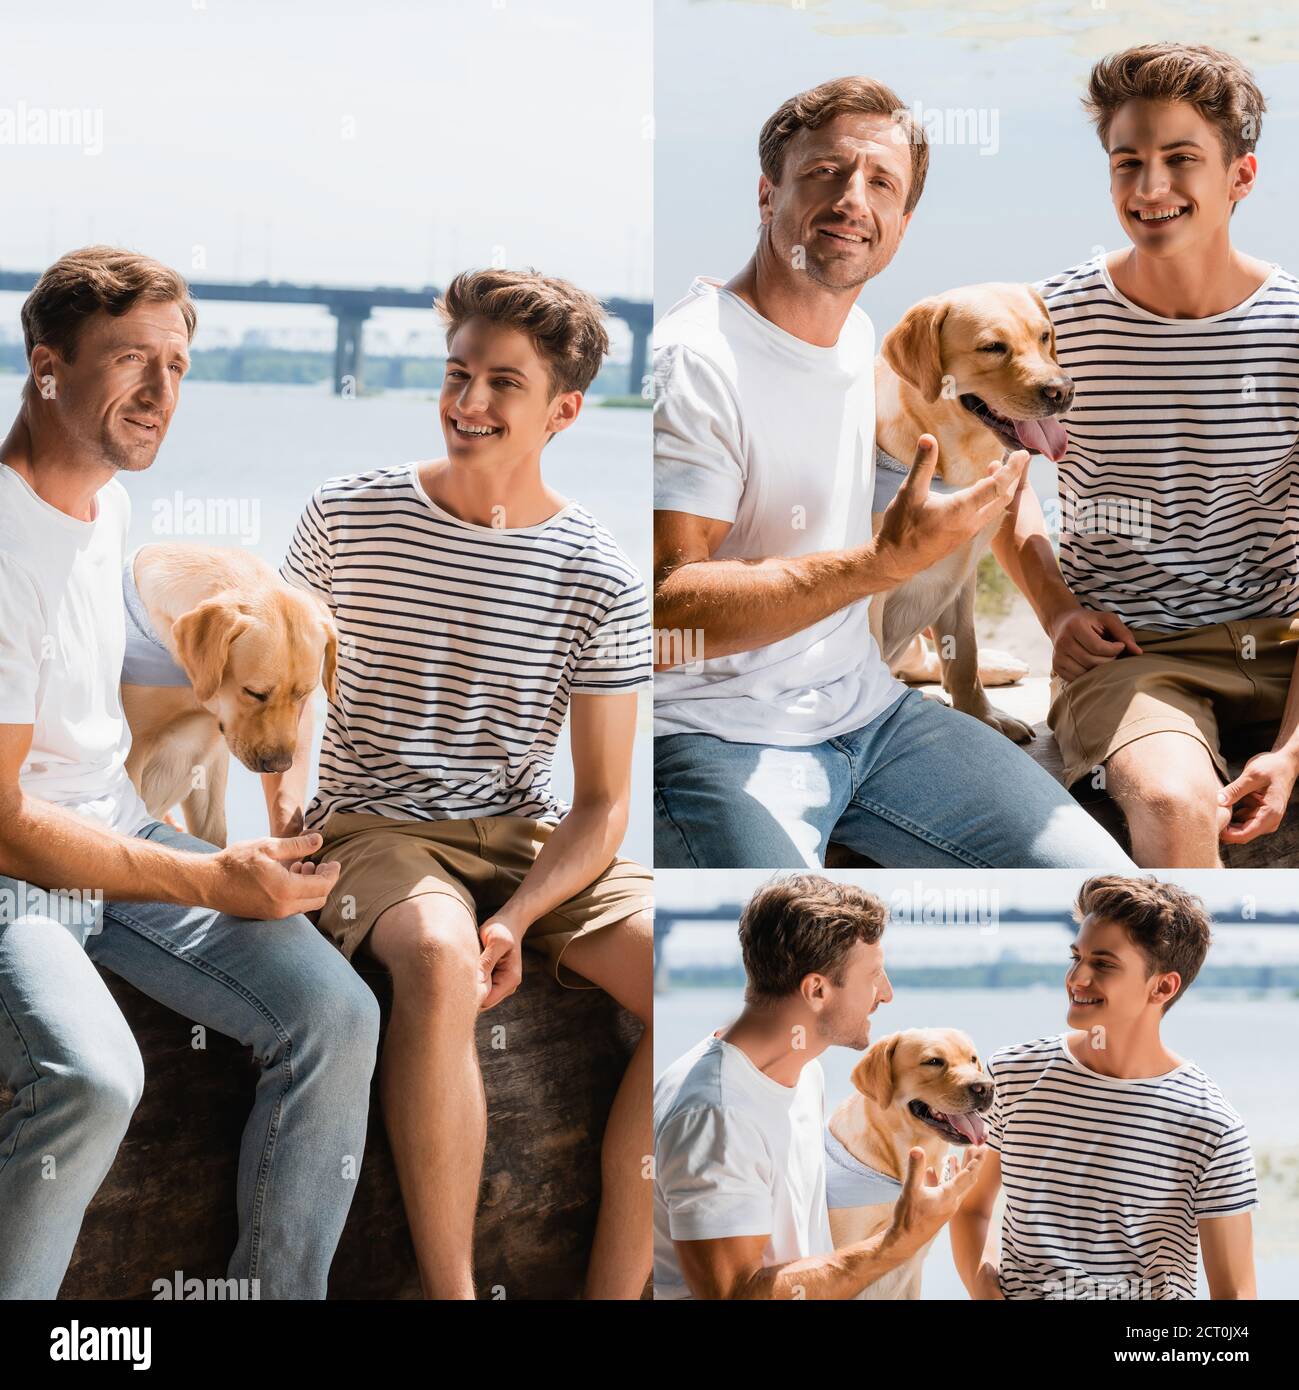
{"points": [[615, 658], [1228, 1184], [309, 563]]}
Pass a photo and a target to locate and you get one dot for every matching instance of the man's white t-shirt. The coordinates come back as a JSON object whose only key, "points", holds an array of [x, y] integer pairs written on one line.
{"points": [[736, 1154], [776, 436], [62, 635]]}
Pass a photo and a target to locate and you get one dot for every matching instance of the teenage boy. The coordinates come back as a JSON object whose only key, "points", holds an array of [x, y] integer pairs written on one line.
{"points": [[1117, 1157], [1171, 619], [739, 1121], [785, 729], [476, 607], [217, 935]]}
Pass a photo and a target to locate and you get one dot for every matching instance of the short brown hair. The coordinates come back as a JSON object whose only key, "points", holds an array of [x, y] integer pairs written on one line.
{"points": [[1166, 924], [566, 324], [811, 110], [803, 924], [1220, 87], [93, 280]]}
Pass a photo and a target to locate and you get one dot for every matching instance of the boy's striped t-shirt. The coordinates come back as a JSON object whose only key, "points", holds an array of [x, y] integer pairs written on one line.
{"points": [[1106, 1178], [459, 647], [1179, 505]]}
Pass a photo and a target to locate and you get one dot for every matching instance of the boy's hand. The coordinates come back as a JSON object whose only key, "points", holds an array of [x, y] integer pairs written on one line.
{"points": [[500, 965], [1257, 800], [1085, 637]]}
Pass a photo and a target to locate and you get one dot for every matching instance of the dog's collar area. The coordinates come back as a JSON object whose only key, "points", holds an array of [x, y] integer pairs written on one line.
{"points": [[145, 660], [851, 1183]]}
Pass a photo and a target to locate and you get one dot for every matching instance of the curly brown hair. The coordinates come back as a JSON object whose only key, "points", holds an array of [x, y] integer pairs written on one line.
{"points": [[804, 924], [1168, 925], [1220, 87], [566, 324], [92, 280]]}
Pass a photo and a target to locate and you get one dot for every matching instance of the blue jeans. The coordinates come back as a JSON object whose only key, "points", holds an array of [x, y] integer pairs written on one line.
{"points": [[920, 786], [75, 1070]]}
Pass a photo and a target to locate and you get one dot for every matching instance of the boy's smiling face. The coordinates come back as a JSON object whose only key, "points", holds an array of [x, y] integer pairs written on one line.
{"points": [[498, 403], [1172, 185], [1110, 981]]}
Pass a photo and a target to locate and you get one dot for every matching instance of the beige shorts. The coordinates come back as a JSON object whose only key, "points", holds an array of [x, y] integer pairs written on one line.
{"points": [[1228, 681], [479, 862]]}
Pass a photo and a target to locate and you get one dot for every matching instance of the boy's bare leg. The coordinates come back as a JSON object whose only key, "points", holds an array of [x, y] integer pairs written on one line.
{"points": [[1167, 787], [430, 1084], [620, 959]]}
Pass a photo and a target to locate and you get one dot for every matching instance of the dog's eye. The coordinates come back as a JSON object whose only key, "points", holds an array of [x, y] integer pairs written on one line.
{"points": [[256, 695], [933, 1062], [993, 347], [1046, 337]]}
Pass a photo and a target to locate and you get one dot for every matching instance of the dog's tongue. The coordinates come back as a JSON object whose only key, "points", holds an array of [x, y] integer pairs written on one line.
{"points": [[969, 1124], [1045, 436]]}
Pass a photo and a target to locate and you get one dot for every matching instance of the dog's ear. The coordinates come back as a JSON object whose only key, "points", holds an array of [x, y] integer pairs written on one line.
{"points": [[873, 1075], [203, 637], [1041, 304], [913, 349], [330, 676]]}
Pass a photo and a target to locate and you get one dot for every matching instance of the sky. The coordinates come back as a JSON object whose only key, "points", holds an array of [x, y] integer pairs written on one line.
{"points": [[390, 143], [1035, 203]]}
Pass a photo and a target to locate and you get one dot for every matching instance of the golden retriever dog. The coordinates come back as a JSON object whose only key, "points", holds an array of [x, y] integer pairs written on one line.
{"points": [[246, 650], [925, 1088], [976, 368]]}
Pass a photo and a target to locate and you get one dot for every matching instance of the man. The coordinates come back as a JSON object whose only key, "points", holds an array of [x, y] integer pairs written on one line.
{"points": [[476, 607], [739, 1121], [778, 725], [216, 935], [1117, 1156], [1171, 621]]}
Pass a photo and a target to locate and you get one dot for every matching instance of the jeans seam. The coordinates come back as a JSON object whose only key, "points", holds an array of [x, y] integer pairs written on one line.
{"points": [[921, 833], [29, 1110], [286, 1066], [662, 806]]}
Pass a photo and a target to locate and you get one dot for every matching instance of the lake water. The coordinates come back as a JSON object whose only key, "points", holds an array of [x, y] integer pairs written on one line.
{"points": [[1242, 1040], [262, 449]]}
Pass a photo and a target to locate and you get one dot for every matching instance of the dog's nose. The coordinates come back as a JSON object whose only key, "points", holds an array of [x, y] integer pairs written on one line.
{"points": [[280, 762], [1058, 392], [980, 1090]]}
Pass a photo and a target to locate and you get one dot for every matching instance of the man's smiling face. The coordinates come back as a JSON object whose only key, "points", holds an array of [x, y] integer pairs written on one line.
{"points": [[115, 398], [498, 401], [841, 196], [1171, 183], [1110, 981]]}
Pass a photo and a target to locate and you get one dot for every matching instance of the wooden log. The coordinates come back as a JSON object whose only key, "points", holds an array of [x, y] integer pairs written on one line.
{"points": [[552, 1059]]}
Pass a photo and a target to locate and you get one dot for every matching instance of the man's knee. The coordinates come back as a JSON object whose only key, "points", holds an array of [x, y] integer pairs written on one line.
{"points": [[96, 1093], [428, 943]]}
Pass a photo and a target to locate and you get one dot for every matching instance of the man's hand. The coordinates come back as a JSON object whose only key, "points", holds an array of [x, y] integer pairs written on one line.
{"points": [[266, 880], [1085, 637], [500, 965], [926, 1204], [920, 528], [1256, 802]]}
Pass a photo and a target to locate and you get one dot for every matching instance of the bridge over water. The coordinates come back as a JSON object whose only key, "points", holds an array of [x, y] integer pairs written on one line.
{"points": [[352, 306]]}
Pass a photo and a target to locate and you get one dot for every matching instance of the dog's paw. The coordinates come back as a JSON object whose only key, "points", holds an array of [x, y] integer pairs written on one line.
{"points": [[999, 668], [1014, 729]]}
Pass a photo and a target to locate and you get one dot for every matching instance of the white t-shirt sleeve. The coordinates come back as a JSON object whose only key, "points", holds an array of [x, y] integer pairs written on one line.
{"points": [[22, 635], [699, 461], [1228, 1184], [716, 1174]]}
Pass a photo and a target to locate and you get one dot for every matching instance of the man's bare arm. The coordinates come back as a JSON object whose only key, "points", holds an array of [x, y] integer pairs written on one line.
{"points": [[732, 1268], [740, 605], [974, 1242], [1227, 1249], [52, 847]]}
